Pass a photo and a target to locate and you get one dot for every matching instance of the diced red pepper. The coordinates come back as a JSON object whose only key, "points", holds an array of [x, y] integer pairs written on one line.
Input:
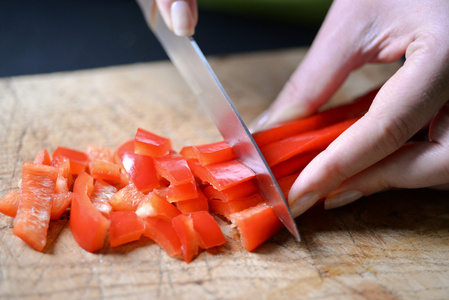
{"points": [[314, 141], [199, 203], [162, 232], [156, 206], [33, 214], [187, 235], [140, 168], [88, 226], [293, 165], [9, 203], [64, 171], [150, 144], [175, 169], [104, 170], [125, 227], [78, 159], [42, 158], [226, 208], [223, 175], [208, 154], [127, 198], [182, 192], [60, 203], [256, 225], [241, 190], [208, 232], [101, 195]]}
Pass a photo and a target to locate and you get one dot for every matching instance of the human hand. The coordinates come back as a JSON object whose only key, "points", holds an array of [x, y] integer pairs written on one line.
{"points": [[372, 155], [180, 16]]}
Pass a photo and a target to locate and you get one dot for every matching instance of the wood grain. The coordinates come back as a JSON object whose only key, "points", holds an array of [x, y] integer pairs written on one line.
{"points": [[394, 245]]}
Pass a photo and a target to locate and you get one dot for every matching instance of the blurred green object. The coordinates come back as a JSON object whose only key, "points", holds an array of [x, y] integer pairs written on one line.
{"points": [[303, 12]]}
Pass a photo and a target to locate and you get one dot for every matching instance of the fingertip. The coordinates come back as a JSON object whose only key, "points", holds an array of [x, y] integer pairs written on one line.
{"points": [[182, 18]]}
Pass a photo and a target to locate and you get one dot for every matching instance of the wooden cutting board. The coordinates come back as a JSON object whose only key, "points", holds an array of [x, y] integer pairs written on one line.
{"points": [[387, 246]]}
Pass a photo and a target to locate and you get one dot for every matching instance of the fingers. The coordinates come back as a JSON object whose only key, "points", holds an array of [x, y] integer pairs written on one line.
{"points": [[180, 16], [403, 105], [417, 165], [332, 56]]}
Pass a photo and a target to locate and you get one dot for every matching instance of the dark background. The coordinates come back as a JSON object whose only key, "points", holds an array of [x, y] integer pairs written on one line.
{"points": [[44, 36]]}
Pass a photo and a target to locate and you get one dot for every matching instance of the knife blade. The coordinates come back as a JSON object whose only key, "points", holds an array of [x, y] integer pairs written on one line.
{"points": [[196, 71]]}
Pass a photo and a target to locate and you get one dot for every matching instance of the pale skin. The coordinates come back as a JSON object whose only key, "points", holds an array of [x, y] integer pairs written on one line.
{"points": [[373, 155]]}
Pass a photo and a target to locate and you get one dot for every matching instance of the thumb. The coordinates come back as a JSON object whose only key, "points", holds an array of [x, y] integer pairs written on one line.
{"points": [[180, 16]]}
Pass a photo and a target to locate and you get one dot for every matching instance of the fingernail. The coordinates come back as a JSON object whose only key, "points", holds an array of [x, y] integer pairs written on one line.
{"points": [[182, 19], [259, 121], [304, 203], [342, 199]]}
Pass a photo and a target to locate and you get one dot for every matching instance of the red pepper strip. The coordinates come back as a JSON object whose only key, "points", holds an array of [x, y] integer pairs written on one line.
{"points": [[42, 158], [140, 168], [320, 120], [125, 227], [182, 192], [286, 182], [162, 232], [208, 154], [192, 205], [104, 170], [33, 214], [256, 225], [78, 159], [127, 198], [241, 190], [9, 203], [88, 226], [187, 235], [174, 168], [292, 165], [318, 140], [101, 195], [226, 208], [222, 175], [156, 206], [207, 229], [150, 144]]}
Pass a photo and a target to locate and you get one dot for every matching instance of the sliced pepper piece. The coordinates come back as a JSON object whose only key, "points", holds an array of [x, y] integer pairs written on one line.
{"points": [[78, 159], [314, 141], [101, 195], [208, 232], [127, 198], [162, 232], [226, 208], [94, 152], [293, 165], [88, 226], [140, 168], [241, 190], [317, 121], [10, 202], [182, 192], [156, 206], [150, 144], [33, 214], [187, 235], [199, 203], [104, 170], [42, 158], [256, 225], [175, 169], [222, 175], [125, 227], [208, 154]]}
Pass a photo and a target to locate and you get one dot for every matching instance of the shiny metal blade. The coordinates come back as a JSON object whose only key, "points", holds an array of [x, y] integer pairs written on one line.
{"points": [[194, 68]]}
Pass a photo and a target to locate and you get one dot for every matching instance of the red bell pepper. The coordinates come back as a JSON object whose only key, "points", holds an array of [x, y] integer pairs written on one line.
{"points": [[140, 168], [42, 158], [208, 154], [150, 144], [317, 121], [88, 226], [125, 227], [101, 195], [226, 208], [127, 198], [104, 170], [241, 190], [33, 214], [208, 232], [199, 203], [187, 235], [293, 165], [156, 206], [175, 169], [256, 225], [314, 141], [9, 203], [182, 192], [162, 232], [94, 152], [78, 159]]}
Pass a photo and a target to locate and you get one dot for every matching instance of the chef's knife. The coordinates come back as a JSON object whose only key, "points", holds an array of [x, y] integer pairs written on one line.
{"points": [[194, 68]]}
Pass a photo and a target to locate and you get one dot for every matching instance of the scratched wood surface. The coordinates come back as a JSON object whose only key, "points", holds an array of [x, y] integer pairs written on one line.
{"points": [[394, 245]]}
